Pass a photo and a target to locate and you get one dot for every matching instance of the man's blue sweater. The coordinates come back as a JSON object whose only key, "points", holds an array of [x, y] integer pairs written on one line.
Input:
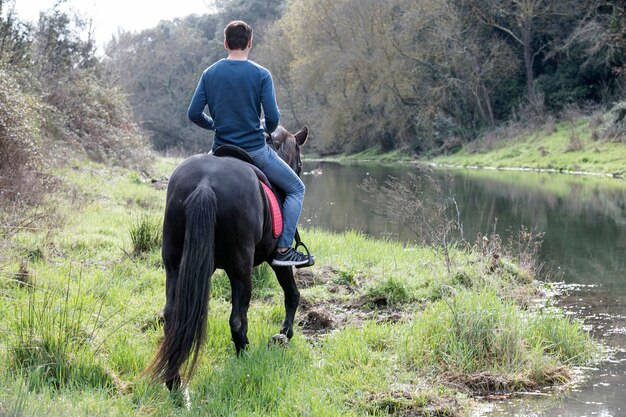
{"points": [[235, 92]]}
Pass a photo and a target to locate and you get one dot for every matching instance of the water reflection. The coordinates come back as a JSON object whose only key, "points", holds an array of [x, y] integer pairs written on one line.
{"points": [[584, 220]]}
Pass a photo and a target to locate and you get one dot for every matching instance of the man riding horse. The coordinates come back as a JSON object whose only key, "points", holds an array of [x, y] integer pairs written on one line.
{"points": [[235, 89], [218, 213]]}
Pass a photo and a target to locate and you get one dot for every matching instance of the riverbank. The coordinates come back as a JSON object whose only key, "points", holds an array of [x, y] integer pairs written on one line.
{"points": [[574, 147], [383, 328]]}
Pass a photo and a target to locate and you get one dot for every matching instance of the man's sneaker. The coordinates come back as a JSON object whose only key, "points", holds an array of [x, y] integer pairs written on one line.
{"points": [[290, 257]]}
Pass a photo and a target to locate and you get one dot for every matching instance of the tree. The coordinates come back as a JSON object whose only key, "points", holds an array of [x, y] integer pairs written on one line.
{"points": [[257, 13], [533, 25], [387, 74], [59, 46], [15, 41], [160, 68], [599, 43], [461, 67]]}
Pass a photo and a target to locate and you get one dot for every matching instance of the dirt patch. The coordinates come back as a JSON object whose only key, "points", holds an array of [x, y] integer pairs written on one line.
{"points": [[323, 316], [159, 184], [317, 319], [491, 385], [307, 278], [346, 305], [410, 402]]}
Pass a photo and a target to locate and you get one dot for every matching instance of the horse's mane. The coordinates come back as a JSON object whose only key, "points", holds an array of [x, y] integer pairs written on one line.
{"points": [[286, 149]]}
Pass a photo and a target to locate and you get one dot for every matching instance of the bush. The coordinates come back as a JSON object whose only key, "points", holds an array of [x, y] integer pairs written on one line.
{"points": [[96, 118], [615, 126], [389, 292], [22, 184]]}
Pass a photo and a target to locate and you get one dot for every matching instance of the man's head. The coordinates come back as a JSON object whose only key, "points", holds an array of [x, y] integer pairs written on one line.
{"points": [[237, 35]]}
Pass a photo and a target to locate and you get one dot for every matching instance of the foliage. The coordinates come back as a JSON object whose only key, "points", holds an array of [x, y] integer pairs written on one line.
{"points": [[69, 107], [54, 105], [615, 126], [22, 185], [15, 40], [160, 67], [414, 74]]}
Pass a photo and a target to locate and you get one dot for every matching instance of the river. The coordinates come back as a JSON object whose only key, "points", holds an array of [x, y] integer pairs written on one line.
{"points": [[584, 250]]}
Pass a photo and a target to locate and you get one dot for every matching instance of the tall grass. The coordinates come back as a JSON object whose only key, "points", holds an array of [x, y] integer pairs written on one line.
{"points": [[474, 332], [51, 341], [146, 233]]}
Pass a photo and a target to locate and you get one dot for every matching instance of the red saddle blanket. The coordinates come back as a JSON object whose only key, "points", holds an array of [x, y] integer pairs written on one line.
{"points": [[277, 217]]}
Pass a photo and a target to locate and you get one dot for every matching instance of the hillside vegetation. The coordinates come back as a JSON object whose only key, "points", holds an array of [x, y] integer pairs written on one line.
{"points": [[55, 106], [584, 144]]}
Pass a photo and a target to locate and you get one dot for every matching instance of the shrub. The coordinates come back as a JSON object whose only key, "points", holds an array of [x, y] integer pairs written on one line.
{"points": [[615, 126], [22, 184]]}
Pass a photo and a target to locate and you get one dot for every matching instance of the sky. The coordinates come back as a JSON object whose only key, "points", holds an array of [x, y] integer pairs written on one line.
{"points": [[109, 15]]}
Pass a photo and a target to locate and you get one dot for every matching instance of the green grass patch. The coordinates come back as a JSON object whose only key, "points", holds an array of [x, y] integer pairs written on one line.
{"points": [[567, 147], [77, 337], [376, 156], [146, 233]]}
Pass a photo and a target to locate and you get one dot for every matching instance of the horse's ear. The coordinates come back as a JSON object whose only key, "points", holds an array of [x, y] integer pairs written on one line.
{"points": [[302, 135]]}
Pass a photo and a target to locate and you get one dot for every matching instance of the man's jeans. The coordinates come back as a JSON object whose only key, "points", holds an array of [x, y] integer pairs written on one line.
{"points": [[281, 175]]}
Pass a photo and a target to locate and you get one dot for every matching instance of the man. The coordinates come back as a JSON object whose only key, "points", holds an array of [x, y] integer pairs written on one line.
{"points": [[235, 90]]}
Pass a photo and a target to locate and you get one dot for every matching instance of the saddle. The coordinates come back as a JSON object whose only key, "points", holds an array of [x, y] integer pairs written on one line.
{"points": [[233, 151], [236, 152]]}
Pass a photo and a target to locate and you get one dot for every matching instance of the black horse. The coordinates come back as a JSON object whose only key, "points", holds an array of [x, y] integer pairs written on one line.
{"points": [[216, 216]]}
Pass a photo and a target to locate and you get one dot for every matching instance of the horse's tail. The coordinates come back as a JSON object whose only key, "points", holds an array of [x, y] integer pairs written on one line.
{"points": [[185, 328]]}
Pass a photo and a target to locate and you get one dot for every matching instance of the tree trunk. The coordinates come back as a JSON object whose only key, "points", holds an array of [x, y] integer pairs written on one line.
{"points": [[528, 62]]}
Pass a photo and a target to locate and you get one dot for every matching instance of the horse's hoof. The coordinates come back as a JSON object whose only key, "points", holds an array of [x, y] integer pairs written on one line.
{"points": [[181, 397], [278, 340]]}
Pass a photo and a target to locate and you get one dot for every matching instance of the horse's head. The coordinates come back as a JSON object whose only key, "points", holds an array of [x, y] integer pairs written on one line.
{"points": [[287, 146]]}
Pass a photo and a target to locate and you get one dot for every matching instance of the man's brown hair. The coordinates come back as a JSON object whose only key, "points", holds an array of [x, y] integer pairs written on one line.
{"points": [[237, 34]]}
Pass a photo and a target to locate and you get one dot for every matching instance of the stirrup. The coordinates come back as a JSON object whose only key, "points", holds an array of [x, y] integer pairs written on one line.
{"points": [[308, 254]]}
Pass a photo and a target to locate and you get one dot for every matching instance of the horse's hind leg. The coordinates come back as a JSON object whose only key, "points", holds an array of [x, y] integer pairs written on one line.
{"points": [[240, 277], [292, 297]]}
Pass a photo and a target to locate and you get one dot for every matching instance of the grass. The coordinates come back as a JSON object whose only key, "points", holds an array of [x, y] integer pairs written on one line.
{"points": [[569, 146], [374, 155], [477, 332], [566, 146], [145, 233], [78, 332]]}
